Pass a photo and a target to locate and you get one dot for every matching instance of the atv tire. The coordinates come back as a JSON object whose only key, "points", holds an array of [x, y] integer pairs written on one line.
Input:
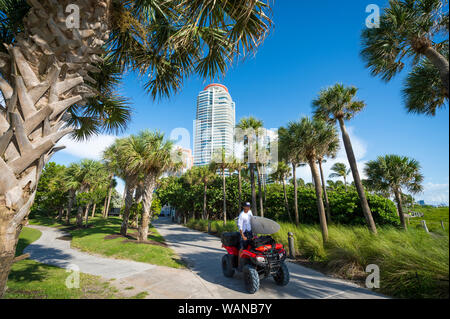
{"points": [[227, 266], [282, 276], [251, 279]]}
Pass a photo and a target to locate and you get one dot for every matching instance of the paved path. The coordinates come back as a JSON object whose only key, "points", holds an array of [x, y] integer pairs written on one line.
{"points": [[203, 253], [204, 279], [156, 281]]}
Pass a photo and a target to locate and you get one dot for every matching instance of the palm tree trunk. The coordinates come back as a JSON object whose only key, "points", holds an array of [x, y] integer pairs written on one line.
{"points": [[147, 198], [260, 195], [398, 199], [37, 95], [104, 207], [80, 216], [126, 210], [86, 214], [359, 187], [320, 208], [224, 197], [253, 186], [109, 201], [286, 203], [69, 206], [205, 189], [240, 190], [297, 221], [93, 210], [441, 63], [345, 182], [324, 187]]}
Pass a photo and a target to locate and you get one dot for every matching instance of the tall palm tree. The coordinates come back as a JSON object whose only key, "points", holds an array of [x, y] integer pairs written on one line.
{"points": [[289, 150], [47, 98], [221, 161], [315, 138], [150, 155], [203, 175], [238, 165], [72, 186], [340, 170], [394, 173], [410, 30], [116, 161], [250, 128], [280, 174], [87, 177], [333, 147], [338, 104]]}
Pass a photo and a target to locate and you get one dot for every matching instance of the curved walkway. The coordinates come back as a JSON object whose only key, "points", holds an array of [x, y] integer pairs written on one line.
{"points": [[203, 253], [204, 279], [130, 277]]}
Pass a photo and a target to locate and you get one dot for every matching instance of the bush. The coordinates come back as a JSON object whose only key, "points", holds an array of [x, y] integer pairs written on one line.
{"points": [[345, 206]]}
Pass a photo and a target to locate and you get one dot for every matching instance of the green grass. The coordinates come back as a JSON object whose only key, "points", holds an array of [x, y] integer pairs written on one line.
{"points": [[433, 217], [93, 240], [27, 236], [49, 222], [32, 280], [413, 264]]}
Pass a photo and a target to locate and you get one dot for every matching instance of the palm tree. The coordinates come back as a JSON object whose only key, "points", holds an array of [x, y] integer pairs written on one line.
{"points": [[333, 147], [340, 170], [150, 155], [410, 30], [167, 41], [222, 162], [337, 104], [250, 129], [116, 161], [280, 174], [238, 165], [72, 185], [289, 150], [315, 138], [203, 175], [424, 92], [394, 172]]}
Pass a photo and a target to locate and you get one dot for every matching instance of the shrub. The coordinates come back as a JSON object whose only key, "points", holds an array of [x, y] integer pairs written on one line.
{"points": [[345, 206]]}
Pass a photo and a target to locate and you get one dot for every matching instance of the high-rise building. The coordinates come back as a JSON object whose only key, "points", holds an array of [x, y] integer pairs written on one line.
{"points": [[214, 124]]}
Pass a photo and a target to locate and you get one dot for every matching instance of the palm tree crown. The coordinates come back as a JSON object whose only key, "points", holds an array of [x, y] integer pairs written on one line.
{"points": [[409, 30], [393, 173], [337, 102]]}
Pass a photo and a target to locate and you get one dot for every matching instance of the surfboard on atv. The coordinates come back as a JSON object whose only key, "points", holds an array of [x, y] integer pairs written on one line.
{"points": [[261, 259]]}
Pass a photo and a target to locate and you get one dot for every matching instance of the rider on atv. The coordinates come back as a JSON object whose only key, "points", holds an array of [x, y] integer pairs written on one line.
{"points": [[245, 227]]}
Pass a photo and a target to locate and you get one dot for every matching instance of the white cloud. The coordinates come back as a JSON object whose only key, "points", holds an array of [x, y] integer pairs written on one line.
{"points": [[434, 194], [91, 148], [359, 149]]}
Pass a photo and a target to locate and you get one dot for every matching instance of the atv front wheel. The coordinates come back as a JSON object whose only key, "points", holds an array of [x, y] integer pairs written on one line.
{"points": [[227, 266], [251, 279], [282, 276]]}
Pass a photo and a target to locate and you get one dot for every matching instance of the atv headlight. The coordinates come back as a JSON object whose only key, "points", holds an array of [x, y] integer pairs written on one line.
{"points": [[260, 259]]}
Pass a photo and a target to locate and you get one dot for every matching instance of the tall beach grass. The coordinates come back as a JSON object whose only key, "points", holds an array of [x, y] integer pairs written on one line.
{"points": [[413, 263]]}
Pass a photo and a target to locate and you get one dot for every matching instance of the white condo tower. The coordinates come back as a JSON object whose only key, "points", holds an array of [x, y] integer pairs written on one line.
{"points": [[214, 124]]}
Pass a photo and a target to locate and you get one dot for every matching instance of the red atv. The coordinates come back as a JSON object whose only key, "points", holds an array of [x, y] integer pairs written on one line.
{"points": [[262, 258]]}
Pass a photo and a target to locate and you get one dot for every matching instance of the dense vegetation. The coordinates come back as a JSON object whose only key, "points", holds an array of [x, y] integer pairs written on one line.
{"points": [[345, 208]]}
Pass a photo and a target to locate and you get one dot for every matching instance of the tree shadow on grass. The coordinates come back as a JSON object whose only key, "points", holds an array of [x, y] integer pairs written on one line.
{"points": [[27, 272]]}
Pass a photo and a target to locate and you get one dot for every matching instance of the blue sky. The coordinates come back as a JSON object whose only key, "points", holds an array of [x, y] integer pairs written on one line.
{"points": [[313, 45]]}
